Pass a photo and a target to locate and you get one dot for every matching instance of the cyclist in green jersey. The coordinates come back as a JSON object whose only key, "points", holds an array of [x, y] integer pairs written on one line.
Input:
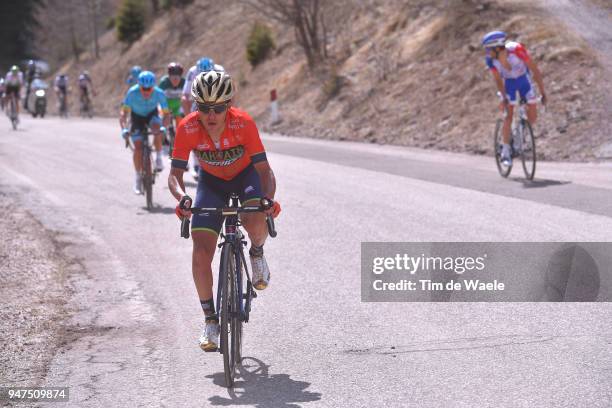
{"points": [[172, 85]]}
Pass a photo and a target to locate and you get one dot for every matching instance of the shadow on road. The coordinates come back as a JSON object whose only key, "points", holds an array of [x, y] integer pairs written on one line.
{"points": [[255, 386], [539, 183], [158, 210]]}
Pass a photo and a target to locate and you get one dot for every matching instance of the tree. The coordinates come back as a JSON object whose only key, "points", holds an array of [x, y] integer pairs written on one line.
{"points": [[94, 13], [71, 27], [17, 24], [130, 21], [259, 43], [306, 18]]}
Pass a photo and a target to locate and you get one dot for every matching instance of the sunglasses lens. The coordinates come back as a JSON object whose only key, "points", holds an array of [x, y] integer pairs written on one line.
{"points": [[147, 89], [216, 108]]}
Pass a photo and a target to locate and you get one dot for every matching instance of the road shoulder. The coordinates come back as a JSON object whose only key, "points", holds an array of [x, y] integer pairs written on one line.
{"points": [[35, 290]]}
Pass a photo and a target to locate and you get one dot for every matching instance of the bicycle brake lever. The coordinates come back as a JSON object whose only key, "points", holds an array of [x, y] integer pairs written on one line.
{"points": [[270, 223], [185, 228]]}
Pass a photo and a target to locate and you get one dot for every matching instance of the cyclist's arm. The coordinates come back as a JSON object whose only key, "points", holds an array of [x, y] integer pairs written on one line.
{"points": [[126, 110], [183, 144], [257, 153], [266, 175], [499, 82], [176, 183], [186, 102], [166, 118], [537, 76], [165, 110], [186, 105], [124, 116]]}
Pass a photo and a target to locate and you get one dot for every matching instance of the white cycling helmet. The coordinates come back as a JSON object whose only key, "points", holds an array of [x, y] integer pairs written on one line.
{"points": [[494, 39], [211, 87]]}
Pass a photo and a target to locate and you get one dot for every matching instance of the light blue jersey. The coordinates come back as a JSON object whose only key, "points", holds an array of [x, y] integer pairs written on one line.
{"points": [[141, 106]]}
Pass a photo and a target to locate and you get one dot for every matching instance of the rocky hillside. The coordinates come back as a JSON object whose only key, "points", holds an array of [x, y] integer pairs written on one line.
{"points": [[399, 72]]}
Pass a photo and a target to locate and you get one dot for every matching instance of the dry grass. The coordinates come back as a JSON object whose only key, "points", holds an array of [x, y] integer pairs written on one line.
{"points": [[415, 68]]}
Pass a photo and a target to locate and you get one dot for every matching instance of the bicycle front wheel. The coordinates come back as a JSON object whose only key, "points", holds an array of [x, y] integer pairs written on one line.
{"points": [[231, 327], [504, 171], [237, 321], [528, 154], [147, 179]]}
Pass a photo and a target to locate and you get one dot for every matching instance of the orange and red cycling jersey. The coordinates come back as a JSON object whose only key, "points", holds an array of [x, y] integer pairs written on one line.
{"points": [[239, 145]]}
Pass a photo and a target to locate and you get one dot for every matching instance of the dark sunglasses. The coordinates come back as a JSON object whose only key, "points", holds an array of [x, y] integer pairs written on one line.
{"points": [[218, 108], [146, 89]]}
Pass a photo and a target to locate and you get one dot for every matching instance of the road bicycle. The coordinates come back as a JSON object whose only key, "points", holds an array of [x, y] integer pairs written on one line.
{"points": [[147, 173], [522, 143], [63, 106], [12, 112], [85, 106], [233, 295]]}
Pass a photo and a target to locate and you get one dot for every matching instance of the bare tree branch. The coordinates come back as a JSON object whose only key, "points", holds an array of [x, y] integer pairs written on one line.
{"points": [[304, 17]]}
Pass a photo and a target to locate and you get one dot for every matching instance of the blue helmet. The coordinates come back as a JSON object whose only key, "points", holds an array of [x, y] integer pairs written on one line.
{"points": [[146, 79], [494, 39], [205, 64], [135, 70]]}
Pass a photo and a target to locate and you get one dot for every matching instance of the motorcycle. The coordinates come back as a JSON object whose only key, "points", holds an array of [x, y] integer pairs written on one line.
{"points": [[40, 103]]}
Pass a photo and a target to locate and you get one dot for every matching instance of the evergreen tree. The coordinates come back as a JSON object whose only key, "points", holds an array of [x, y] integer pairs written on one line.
{"points": [[17, 22], [130, 21]]}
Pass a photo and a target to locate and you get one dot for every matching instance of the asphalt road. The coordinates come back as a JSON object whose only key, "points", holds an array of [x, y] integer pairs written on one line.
{"points": [[311, 341]]}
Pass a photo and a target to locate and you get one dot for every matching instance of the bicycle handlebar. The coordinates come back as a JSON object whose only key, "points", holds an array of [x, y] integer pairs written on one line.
{"points": [[225, 211]]}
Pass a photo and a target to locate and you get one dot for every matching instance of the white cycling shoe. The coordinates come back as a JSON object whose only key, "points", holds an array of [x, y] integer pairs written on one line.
{"points": [[209, 339], [159, 164], [506, 158], [138, 184], [261, 272]]}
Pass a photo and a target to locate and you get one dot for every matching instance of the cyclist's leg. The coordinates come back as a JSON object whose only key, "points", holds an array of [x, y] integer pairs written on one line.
{"points": [[527, 92], [511, 86], [16, 95], [138, 125], [249, 186], [508, 124], [204, 231], [155, 125], [136, 138], [177, 120], [137, 157], [255, 225]]}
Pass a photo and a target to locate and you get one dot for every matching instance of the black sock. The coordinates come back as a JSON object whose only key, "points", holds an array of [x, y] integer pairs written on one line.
{"points": [[256, 250], [208, 307]]}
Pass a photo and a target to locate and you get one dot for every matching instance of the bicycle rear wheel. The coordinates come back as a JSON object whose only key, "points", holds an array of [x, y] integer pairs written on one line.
{"points": [[504, 171], [147, 179], [528, 154]]}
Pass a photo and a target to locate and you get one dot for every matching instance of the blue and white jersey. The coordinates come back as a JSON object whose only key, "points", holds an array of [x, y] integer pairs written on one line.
{"points": [[137, 103], [191, 74]]}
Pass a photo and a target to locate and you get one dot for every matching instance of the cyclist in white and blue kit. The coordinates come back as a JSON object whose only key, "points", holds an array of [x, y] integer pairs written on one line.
{"points": [[512, 68]]}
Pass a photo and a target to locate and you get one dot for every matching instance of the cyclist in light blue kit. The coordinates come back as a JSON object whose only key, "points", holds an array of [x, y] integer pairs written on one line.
{"points": [[142, 104]]}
